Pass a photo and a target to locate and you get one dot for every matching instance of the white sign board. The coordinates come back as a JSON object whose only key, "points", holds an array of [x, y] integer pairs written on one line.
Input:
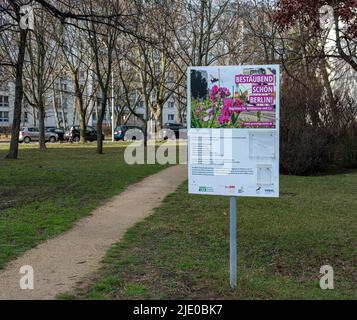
{"points": [[233, 121]]}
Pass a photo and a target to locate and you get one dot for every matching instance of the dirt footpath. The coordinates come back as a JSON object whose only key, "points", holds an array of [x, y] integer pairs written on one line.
{"points": [[60, 262]]}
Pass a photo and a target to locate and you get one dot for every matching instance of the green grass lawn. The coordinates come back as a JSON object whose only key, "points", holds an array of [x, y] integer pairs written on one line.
{"points": [[182, 250], [43, 193]]}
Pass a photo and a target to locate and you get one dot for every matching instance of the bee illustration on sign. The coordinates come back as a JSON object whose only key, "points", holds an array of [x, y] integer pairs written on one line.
{"points": [[213, 79]]}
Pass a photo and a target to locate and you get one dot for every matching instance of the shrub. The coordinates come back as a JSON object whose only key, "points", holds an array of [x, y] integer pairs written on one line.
{"points": [[315, 131]]}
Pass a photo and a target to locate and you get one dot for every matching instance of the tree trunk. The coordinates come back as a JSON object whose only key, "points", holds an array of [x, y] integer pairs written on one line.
{"points": [[82, 120], [74, 117], [179, 120], [100, 125], [96, 112], [82, 127], [179, 111], [41, 124], [146, 120], [303, 49], [34, 116], [201, 33], [19, 93], [54, 105], [64, 122], [99, 136], [327, 84], [158, 118], [79, 107]]}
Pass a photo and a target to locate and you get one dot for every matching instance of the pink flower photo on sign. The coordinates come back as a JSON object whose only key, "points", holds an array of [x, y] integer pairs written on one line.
{"points": [[245, 99]]}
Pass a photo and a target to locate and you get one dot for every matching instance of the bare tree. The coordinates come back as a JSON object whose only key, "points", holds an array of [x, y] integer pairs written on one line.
{"points": [[39, 75], [77, 54], [127, 88], [12, 10], [103, 40], [67, 12]]}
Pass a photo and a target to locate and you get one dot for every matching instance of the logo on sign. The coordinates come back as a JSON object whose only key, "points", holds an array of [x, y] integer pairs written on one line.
{"points": [[230, 189], [269, 190], [205, 189]]}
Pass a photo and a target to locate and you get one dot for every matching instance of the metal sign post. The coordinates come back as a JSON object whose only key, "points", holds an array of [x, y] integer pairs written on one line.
{"points": [[233, 241], [113, 108]]}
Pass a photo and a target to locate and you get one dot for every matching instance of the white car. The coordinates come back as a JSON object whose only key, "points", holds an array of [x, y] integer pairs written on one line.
{"points": [[172, 131], [28, 134]]}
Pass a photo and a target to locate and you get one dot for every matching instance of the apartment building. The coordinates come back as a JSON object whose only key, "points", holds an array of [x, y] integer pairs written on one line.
{"points": [[64, 114], [6, 104]]}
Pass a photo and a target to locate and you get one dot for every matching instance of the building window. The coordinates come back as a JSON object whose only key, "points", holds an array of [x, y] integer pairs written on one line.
{"points": [[171, 104], [94, 117], [105, 116], [4, 101], [26, 117], [60, 116], [4, 116], [171, 117], [65, 103], [4, 87]]}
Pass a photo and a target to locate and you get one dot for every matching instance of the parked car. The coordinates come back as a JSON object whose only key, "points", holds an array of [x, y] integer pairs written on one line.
{"points": [[59, 131], [73, 134], [135, 134], [174, 131], [28, 134]]}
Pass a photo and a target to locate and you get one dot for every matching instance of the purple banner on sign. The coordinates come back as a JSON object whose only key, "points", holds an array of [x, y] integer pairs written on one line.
{"points": [[255, 78], [262, 89], [252, 108], [261, 99]]}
